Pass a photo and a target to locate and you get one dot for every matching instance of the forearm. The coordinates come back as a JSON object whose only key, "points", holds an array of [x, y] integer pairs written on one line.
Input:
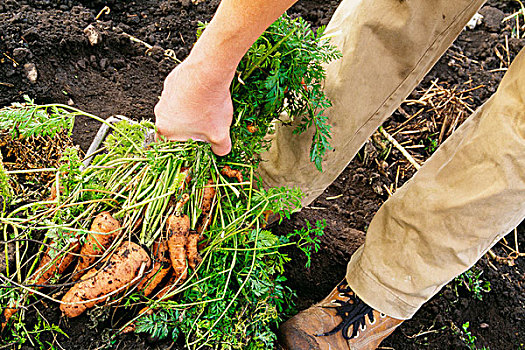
{"points": [[234, 28]]}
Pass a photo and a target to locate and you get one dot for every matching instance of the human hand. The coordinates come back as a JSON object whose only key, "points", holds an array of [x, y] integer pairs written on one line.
{"points": [[196, 104]]}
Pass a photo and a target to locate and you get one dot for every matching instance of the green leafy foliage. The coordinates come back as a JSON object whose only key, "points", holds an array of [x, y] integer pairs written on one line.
{"points": [[468, 338], [238, 309], [160, 325], [472, 281], [308, 238], [29, 119], [70, 170], [281, 76], [135, 135], [6, 191], [282, 201]]}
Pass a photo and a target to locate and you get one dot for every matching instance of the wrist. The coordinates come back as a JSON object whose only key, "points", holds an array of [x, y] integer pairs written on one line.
{"points": [[217, 59]]}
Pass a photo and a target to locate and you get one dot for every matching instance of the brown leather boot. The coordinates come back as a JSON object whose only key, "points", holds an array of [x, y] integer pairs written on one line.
{"points": [[341, 321]]}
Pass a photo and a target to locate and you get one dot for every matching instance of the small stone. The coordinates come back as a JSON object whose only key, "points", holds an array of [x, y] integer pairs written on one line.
{"points": [[119, 63], [493, 18], [70, 102], [156, 52], [93, 35], [21, 53], [484, 325], [103, 63], [31, 72], [82, 64]]}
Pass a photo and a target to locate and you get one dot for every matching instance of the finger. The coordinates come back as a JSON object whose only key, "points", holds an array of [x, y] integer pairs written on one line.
{"points": [[222, 148]]}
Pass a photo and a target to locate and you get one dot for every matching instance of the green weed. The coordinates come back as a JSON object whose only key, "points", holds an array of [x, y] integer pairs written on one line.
{"points": [[472, 281], [468, 338]]}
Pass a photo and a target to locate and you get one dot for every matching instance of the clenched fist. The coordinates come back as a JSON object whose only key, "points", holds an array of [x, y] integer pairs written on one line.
{"points": [[196, 104]]}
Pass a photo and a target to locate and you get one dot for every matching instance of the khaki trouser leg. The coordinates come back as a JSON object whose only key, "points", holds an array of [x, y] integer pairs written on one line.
{"points": [[468, 195], [388, 46]]}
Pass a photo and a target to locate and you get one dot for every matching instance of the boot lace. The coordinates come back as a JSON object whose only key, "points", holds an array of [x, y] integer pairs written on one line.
{"points": [[352, 311]]}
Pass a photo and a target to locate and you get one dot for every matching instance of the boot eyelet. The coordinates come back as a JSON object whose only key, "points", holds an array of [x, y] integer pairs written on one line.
{"points": [[357, 335], [382, 315], [362, 327], [342, 295], [372, 322], [335, 302]]}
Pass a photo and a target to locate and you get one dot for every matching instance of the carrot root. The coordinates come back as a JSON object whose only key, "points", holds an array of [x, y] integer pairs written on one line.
{"points": [[49, 267], [232, 173], [6, 315], [96, 244], [161, 268], [120, 271]]}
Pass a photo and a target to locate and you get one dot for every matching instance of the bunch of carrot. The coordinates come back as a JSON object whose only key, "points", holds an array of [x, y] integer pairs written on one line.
{"points": [[159, 214]]}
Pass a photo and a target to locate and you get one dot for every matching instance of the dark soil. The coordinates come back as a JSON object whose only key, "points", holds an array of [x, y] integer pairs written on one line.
{"points": [[119, 76]]}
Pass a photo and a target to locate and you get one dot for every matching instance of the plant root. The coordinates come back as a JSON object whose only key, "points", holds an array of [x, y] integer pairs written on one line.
{"points": [[7, 314], [120, 272], [49, 266], [161, 268], [96, 244], [232, 173]]}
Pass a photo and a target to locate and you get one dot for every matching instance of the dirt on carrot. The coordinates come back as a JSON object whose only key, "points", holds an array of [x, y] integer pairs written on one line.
{"points": [[208, 197], [232, 173], [178, 228], [120, 272], [194, 258], [96, 244]]}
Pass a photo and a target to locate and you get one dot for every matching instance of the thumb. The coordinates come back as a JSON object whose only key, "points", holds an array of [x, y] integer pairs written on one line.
{"points": [[222, 148]]}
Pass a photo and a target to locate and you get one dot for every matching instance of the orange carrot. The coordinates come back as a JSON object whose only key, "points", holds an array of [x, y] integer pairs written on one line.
{"points": [[251, 128], [121, 269], [173, 279], [161, 268], [178, 226], [232, 173], [7, 313], [208, 196], [194, 258], [187, 178], [50, 266], [96, 244]]}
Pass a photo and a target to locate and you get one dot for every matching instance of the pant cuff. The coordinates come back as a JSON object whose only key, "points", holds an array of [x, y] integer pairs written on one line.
{"points": [[374, 294]]}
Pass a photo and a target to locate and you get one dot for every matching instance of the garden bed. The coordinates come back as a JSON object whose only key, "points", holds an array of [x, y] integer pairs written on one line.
{"points": [[123, 76]]}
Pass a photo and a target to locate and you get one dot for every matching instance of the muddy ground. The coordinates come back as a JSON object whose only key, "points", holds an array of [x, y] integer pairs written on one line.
{"points": [[120, 76]]}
